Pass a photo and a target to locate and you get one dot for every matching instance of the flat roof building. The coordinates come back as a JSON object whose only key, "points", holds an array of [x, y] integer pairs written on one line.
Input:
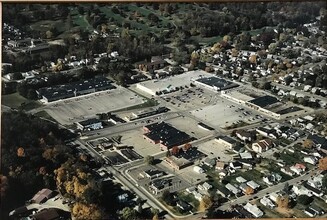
{"points": [[89, 124], [64, 91], [166, 135], [215, 83]]}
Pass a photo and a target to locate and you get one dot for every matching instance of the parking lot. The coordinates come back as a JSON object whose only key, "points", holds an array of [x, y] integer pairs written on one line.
{"points": [[214, 149], [83, 107], [191, 98], [224, 113], [189, 126], [141, 146]]}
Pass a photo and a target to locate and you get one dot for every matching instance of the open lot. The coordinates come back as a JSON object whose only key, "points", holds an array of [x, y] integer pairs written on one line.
{"points": [[213, 148], [80, 108], [224, 113]]}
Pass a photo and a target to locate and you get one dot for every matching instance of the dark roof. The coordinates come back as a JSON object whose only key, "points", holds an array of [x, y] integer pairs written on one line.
{"points": [[68, 90], [168, 135], [264, 101], [224, 191], [310, 210], [183, 205], [313, 189], [217, 82], [228, 139], [153, 172], [47, 214], [89, 122], [318, 140], [160, 184]]}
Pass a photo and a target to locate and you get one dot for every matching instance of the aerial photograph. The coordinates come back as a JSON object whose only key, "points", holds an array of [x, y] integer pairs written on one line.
{"points": [[127, 111]]}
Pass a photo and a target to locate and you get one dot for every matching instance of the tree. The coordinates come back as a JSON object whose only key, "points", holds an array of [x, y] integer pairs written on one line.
{"points": [[205, 203], [249, 191], [20, 152], [175, 150], [323, 164], [89, 211], [304, 199], [149, 160], [155, 213], [187, 146], [308, 143], [167, 197], [128, 213]]}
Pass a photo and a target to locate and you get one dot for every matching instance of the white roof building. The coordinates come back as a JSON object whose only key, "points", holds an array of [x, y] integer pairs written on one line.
{"points": [[253, 184], [267, 202], [254, 210], [241, 179]]}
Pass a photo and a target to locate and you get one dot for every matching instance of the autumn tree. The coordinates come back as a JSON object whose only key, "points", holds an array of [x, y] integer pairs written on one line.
{"points": [[128, 213], [87, 211], [20, 152], [155, 213], [205, 203], [308, 143], [175, 150], [3, 185], [323, 163], [187, 146], [249, 191]]}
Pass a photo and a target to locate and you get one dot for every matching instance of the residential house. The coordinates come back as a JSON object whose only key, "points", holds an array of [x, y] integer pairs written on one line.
{"points": [[243, 187], [298, 168], [274, 196], [244, 135], [206, 186], [198, 196], [183, 205], [315, 181], [241, 179], [232, 188], [246, 155], [314, 190], [267, 202], [287, 171], [224, 192], [310, 212], [281, 163], [235, 165], [262, 145], [301, 190], [222, 173], [311, 160], [272, 179], [246, 163], [253, 185], [254, 210]]}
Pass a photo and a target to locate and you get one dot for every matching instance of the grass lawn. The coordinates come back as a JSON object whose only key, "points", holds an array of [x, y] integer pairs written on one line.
{"points": [[19, 102], [13, 100], [44, 114], [207, 40], [289, 158]]}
